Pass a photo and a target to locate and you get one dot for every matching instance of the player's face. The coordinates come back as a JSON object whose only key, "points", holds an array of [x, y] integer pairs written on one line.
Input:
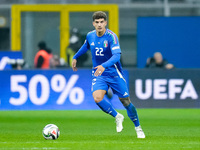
{"points": [[100, 25]]}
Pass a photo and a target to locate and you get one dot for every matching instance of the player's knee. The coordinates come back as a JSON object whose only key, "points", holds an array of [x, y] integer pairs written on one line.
{"points": [[98, 95], [125, 101], [97, 99]]}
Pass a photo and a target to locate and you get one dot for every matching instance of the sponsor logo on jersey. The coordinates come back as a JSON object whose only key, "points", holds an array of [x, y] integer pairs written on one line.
{"points": [[92, 43], [105, 44]]}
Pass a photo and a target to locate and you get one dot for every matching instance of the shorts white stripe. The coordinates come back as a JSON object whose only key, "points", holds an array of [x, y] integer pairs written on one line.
{"points": [[119, 73]]}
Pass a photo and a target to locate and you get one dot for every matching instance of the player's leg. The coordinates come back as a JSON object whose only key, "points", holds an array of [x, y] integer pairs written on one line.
{"points": [[99, 89], [120, 88], [132, 114], [98, 96], [131, 110]]}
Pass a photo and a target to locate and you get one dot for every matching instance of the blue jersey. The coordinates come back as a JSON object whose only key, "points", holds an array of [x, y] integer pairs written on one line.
{"points": [[102, 49], [106, 52]]}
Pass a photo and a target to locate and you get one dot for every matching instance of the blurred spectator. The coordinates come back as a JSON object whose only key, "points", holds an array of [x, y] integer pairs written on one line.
{"points": [[157, 61], [74, 45], [55, 61], [43, 56]]}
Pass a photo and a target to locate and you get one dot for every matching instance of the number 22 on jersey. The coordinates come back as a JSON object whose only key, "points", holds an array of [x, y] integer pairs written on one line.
{"points": [[99, 51]]}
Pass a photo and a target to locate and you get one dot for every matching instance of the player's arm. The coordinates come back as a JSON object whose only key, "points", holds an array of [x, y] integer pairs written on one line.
{"points": [[100, 69], [115, 58], [74, 68], [115, 49], [80, 52]]}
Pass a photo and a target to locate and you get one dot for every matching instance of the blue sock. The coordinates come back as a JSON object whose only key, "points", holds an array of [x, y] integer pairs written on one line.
{"points": [[107, 107], [132, 113]]}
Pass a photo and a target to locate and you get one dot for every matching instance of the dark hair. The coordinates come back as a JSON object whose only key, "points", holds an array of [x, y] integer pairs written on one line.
{"points": [[99, 15], [42, 45]]}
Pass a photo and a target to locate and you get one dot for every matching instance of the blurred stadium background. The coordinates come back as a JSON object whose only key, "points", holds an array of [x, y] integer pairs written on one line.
{"points": [[143, 27], [171, 27]]}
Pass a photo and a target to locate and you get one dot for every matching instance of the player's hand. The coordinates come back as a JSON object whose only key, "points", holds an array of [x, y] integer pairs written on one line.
{"points": [[99, 71], [74, 61]]}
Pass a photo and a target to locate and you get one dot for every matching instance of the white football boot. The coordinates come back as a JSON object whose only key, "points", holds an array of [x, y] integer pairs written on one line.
{"points": [[140, 133], [119, 120]]}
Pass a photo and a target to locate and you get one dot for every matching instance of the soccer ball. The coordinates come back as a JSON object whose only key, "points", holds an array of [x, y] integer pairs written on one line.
{"points": [[51, 132]]}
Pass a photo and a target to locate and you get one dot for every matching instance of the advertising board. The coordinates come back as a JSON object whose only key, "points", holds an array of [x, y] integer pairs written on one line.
{"points": [[157, 88], [48, 89]]}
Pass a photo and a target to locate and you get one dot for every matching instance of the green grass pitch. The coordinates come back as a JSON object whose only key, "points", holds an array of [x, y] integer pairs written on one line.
{"points": [[170, 129]]}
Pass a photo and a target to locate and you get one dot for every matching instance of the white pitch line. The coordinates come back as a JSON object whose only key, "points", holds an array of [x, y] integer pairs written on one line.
{"points": [[36, 148], [75, 142]]}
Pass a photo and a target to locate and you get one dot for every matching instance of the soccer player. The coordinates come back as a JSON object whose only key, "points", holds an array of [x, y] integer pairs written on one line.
{"points": [[107, 71]]}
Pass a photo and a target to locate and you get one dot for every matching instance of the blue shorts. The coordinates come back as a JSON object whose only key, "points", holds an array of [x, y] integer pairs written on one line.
{"points": [[117, 84]]}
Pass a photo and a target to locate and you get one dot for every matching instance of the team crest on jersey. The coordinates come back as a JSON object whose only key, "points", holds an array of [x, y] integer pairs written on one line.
{"points": [[105, 44]]}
